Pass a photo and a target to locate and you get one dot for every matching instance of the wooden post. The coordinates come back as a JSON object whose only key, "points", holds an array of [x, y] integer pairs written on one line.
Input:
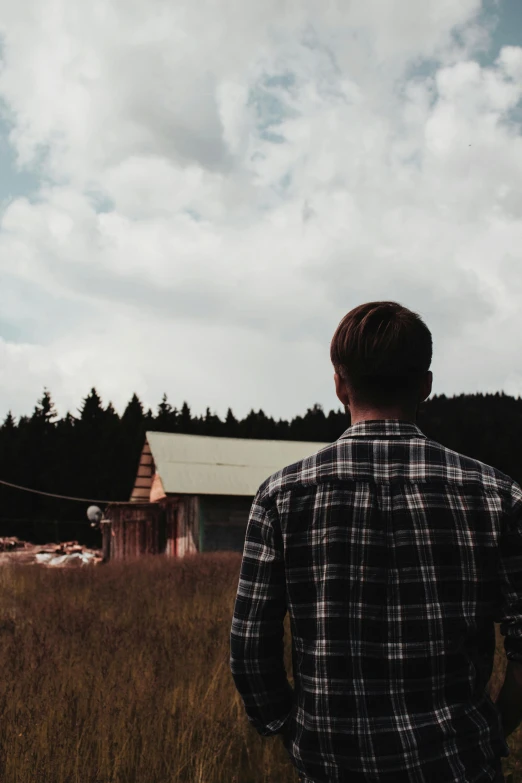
{"points": [[105, 525]]}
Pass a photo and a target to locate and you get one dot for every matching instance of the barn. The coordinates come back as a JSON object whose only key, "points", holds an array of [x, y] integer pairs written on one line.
{"points": [[193, 493]]}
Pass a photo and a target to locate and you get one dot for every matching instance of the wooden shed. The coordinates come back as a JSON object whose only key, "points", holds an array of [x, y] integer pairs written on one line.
{"points": [[134, 529], [193, 493]]}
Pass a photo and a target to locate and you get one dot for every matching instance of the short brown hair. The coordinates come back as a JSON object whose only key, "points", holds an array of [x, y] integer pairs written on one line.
{"points": [[382, 350]]}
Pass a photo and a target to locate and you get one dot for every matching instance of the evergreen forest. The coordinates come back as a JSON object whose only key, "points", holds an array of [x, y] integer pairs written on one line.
{"points": [[94, 454]]}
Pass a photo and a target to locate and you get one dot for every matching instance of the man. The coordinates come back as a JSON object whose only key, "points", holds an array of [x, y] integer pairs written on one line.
{"points": [[393, 556]]}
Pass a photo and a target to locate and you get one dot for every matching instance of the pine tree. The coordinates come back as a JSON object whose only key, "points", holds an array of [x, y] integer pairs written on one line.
{"points": [[133, 414], [212, 424], [111, 415], [281, 430], [164, 408], [314, 423], [111, 466], [8, 451], [336, 423], [68, 422], [91, 411], [185, 419], [132, 437], [9, 424], [40, 467], [44, 411], [166, 418], [256, 425], [231, 429]]}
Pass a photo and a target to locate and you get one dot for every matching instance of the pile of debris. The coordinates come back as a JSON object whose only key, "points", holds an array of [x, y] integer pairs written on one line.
{"points": [[68, 553], [10, 543]]}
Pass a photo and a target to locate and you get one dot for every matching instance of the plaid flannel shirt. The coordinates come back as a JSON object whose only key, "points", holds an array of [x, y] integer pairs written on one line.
{"points": [[393, 556]]}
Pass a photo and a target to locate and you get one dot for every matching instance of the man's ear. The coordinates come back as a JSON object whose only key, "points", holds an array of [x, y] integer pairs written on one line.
{"points": [[341, 390], [427, 385]]}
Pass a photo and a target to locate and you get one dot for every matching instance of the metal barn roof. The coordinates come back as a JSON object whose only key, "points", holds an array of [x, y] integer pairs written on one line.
{"points": [[204, 465]]}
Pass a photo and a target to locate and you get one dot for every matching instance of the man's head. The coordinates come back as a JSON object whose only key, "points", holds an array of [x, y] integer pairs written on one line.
{"points": [[381, 353]]}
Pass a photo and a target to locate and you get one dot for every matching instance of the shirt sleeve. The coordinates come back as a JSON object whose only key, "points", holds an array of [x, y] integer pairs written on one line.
{"points": [[509, 614], [257, 634]]}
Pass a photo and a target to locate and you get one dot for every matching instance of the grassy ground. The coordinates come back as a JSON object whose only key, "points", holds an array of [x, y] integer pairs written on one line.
{"points": [[119, 674], [512, 766]]}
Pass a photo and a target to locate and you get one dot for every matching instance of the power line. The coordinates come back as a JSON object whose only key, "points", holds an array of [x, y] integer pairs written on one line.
{"points": [[59, 497]]}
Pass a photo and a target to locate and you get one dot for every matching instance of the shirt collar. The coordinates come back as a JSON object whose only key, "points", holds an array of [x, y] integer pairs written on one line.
{"points": [[383, 428]]}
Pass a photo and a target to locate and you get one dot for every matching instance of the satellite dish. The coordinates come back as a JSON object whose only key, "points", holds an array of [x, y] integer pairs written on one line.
{"points": [[94, 515]]}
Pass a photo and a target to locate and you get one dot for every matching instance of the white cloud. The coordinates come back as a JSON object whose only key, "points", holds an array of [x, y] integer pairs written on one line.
{"points": [[223, 181]]}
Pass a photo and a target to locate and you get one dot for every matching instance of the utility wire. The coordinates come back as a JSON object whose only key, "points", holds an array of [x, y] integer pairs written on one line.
{"points": [[60, 497]]}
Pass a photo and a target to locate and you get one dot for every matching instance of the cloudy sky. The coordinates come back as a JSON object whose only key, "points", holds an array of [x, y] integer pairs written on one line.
{"points": [[193, 194]]}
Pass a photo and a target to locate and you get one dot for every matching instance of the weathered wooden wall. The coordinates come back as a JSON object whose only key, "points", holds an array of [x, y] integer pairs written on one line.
{"points": [[171, 526], [182, 524], [223, 521], [177, 525]]}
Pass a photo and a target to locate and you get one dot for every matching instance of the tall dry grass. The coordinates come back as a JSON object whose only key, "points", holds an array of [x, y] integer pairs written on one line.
{"points": [[120, 674]]}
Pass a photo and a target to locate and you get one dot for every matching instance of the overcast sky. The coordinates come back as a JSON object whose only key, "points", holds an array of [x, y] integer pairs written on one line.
{"points": [[193, 194]]}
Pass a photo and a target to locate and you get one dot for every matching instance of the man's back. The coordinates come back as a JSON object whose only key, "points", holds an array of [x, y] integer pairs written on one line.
{"points": [[390, 551]]}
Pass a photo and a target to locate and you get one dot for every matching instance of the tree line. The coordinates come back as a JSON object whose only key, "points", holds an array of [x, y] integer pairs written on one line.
{"points": [[95, 454]]}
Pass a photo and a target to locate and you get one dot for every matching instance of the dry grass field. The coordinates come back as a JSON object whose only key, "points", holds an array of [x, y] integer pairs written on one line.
{"points": [[120, 674]]}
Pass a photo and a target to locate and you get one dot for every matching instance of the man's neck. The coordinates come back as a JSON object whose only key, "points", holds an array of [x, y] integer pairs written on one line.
{"points": [[377, 414]]}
